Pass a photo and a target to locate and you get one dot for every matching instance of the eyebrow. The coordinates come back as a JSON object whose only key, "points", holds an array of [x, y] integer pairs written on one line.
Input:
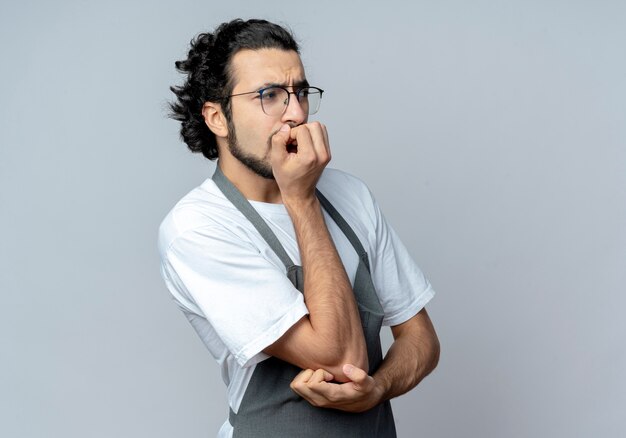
{"points": [[297, 84]]}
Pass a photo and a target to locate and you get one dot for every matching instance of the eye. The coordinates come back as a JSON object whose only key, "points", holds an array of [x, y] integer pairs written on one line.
{"points": [[271, 94]]}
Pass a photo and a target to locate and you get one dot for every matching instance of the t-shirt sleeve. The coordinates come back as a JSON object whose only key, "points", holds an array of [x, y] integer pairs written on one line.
{"points": [[247, 299], [402, 287]]}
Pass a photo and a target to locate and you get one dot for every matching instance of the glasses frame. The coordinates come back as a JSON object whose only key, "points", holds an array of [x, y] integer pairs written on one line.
{"points": [[289, 93]]}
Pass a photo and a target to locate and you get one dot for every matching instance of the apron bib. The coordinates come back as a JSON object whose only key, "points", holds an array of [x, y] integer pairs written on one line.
{"points": [[270, 408]]}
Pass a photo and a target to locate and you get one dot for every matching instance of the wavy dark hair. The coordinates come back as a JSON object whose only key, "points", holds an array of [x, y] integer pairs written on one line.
{"points": [[209, 75]]}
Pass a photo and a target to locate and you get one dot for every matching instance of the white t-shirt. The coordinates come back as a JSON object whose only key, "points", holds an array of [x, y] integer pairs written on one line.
{"points": [[233, 288]]}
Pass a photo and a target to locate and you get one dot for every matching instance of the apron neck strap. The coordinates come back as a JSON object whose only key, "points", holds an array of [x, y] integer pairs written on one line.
{"points": [[343, 226], [241, 203]]}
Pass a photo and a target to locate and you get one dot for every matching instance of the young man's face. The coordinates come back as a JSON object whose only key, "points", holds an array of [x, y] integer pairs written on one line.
{"points": [[251, 130]]}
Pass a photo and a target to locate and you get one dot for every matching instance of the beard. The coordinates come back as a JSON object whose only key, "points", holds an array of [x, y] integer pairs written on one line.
{"points": [[260, 166]]}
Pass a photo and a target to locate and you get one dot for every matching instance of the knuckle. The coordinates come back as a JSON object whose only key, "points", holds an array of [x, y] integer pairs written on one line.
{"points": [[310, 159]]}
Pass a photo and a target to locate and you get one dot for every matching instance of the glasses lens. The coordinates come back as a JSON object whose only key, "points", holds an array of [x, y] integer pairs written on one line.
{"points": [[310, 99], [274, 100]]}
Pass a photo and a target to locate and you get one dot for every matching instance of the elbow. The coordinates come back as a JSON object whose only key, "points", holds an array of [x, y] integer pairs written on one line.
{"points": [[358, 359], [338, 356], [335, 357], [435, 353]]}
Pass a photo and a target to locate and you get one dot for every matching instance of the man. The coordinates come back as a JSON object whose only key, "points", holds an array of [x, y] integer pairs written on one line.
{"points": [[284, 268]]}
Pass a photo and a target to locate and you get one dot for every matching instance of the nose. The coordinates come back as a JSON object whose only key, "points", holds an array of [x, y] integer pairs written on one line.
{"points": [[294, 112]]}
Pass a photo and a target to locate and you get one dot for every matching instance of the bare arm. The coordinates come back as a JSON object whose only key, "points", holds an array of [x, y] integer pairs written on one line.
{"points": [[412, 356], [331, 334]]}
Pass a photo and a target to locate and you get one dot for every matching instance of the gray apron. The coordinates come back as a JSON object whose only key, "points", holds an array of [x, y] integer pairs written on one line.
{"points": [[270, 408]]}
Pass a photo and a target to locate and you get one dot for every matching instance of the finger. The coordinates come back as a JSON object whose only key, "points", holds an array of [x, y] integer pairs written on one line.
{"points": [[282, 136], [303, 383], [303, 377], [327, 142], [319, 141], [361, 381], [280, 140], [326, 392], [328, 376], [320, 375], [299, 383], [302, 135]]}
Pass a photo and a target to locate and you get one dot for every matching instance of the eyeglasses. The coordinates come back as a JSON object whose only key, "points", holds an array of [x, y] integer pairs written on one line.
{"points": [[275, 99]]}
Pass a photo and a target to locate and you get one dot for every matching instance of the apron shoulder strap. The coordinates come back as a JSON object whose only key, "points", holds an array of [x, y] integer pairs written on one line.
{"points": [[344, 227], [242, 204]]}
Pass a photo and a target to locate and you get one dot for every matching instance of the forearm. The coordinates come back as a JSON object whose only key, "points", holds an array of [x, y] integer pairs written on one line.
{"points": [[333, 312], [331, 334], [411, 357]]}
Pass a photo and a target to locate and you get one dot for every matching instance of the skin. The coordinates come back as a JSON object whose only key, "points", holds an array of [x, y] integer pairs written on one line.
{"points": [[328, 344], [412, 356]]}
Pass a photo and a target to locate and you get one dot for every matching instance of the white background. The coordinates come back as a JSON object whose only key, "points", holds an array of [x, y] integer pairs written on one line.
{"points": [[492, 134]]}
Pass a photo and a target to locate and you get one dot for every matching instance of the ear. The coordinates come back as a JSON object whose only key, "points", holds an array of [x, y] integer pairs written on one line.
{"points": [[215, 119]]}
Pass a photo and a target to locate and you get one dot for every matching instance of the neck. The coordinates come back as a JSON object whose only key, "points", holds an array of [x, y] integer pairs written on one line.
{"points": [[252, 186]]}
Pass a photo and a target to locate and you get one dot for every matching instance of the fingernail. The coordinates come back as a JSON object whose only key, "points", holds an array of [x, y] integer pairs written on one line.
{"points": [[284, 128], [347, 369]]}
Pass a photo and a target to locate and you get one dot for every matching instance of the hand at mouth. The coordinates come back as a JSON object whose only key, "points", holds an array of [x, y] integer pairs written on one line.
{"points": [[292, 147]]}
